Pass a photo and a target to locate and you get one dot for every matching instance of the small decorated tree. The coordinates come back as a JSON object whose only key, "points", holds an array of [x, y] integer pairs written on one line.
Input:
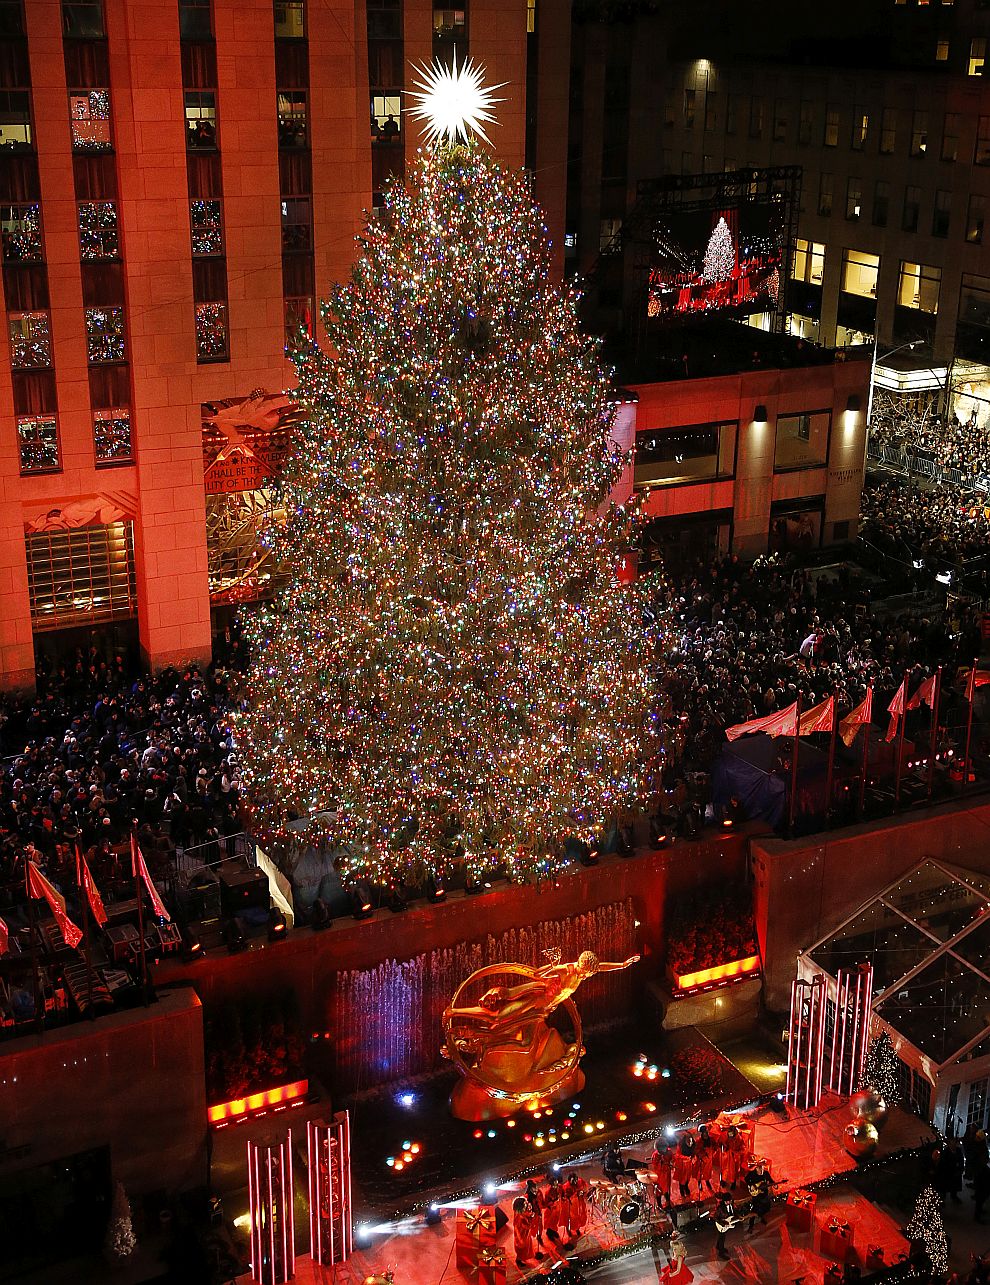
{"points": [[880, 1072], [120, 1240], [720, 256], [927, 1230]]}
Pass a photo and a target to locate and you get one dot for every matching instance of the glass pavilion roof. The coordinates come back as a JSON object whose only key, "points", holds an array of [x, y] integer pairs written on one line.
{"points": [[928, 939]]}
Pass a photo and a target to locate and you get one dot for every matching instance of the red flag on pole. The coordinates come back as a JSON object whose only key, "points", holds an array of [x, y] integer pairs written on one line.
{"points": [[86, 882], [925, 694], [38, 886], [856, 718], [782, 723], [896, 711], [140, 870], [818, 718], [4, 938], [975, 678]]}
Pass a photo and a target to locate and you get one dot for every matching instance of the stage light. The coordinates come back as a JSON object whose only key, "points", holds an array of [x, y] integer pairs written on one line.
{"points": [[475, 889], [492, 1133], [670, 1131], [362, 901], [433, 1216], [556, 1166], [320, 916], [665, 1073], [406, 1099], [588, 856], [435, 892], [490, 1191], [396, 901], [277, 926], [362, 1233]]}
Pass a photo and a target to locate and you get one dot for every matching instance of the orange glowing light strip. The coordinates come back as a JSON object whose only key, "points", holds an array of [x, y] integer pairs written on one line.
{"points": [[720, 973], [240, 1107]]}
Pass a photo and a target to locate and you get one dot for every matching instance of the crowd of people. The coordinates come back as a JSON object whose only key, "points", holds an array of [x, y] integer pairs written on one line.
{"points": [[945, 442], [746, 640], [939, 525], [99, 752]]}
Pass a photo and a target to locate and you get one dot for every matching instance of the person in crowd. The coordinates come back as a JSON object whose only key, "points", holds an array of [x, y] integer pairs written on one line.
{"points": [[576, 1191], [535, 1202], [948, 1175], [523, 1232]]}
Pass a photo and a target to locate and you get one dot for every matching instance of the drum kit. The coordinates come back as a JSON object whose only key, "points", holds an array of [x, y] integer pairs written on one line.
{"points": [[631, 1205]]}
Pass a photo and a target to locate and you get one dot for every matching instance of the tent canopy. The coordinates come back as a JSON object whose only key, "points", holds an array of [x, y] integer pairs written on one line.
{"points": [[928, 938]]}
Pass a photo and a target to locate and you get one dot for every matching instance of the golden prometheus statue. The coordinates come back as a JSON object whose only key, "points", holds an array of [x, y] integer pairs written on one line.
{"points": [[507, 1046]]}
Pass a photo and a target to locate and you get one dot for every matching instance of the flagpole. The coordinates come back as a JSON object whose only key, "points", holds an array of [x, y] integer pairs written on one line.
{"points": [[138, 890], [900, 743], [829, 777], [39, 1001], [969, 724], [866, 757], [84, 898], [794, 769], [933, 743]]}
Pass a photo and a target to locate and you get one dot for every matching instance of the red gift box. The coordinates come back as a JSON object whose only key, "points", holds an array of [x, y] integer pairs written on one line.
{"points": [[489, 1268], [800, 1212], [875, 1260], [475, 1231]]}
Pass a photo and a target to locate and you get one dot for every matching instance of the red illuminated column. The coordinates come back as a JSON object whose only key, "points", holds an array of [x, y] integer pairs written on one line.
{"points": [[329, 1151], [851, 1037], [806, 1042], [273, 1251]]}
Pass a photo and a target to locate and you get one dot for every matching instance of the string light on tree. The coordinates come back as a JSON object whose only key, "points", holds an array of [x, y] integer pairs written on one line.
{"points": [[720, 254], [453, 672], [881, 1069], [926, 1226]]}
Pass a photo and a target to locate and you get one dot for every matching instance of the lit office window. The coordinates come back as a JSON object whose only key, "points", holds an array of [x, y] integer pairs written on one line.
{"points": [[89, 120], [37, 443], [977, 56], [20, 230], [211, 332], [15, 119], [206, 221], [859, 273], [30, 340], [918, 287], [98, 238], [105, 341], [112, 436]]}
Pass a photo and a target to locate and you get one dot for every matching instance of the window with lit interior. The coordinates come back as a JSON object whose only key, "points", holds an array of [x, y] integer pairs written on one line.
{"points": [[801, 440]]}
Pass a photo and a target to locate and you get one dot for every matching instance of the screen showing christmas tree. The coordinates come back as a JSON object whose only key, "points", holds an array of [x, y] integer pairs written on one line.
{"points": [[727, 256]]}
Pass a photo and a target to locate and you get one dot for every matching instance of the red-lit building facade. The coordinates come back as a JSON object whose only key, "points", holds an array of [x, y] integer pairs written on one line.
{"points": [[180, 182]]}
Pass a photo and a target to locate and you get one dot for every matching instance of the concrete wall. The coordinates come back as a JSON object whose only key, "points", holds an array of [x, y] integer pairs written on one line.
{"points": [[132, 1081], [306, 962]]}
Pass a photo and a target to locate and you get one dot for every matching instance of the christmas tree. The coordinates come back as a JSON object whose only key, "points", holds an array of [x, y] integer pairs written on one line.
{"points": [[880, 1072], [720, 255], [453, 670], [927, 1229], [120, 1239]]}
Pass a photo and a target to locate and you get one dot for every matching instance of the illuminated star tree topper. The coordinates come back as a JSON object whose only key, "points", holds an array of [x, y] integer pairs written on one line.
{"points": [[454, 102]]}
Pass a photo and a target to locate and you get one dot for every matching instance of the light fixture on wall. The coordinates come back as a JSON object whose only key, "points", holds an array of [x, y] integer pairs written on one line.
{"points": [[760, 414], [853, 403]]}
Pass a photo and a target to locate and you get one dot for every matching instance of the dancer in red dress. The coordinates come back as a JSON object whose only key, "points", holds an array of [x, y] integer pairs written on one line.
{"points": [[576, 1190], [523, 1231], [554, 1210], [733, 1156], [662, 1167], [705, 1157], [684, 1164]]}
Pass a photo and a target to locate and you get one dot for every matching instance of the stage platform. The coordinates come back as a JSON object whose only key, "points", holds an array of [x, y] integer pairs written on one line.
{"points": [[801, 1149]]}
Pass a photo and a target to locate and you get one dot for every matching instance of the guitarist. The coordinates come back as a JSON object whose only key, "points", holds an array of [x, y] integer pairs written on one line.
{"points": [[759, 1184], [725, 1218]]}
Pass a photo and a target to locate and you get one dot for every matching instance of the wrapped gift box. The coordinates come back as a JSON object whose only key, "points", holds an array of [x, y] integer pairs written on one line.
{"points": [[474, 1232], [800, 1213], [836, 1241], [489, 1268], [875, 1260]]}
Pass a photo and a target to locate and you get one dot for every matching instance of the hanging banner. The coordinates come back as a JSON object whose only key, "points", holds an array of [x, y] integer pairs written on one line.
{"points": [[140, 870], [38, 886], [85, 881]]}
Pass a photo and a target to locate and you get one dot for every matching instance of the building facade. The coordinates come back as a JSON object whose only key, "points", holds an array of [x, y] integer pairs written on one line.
{"points": [[884, 106], [180, 183], [757, 461]]}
